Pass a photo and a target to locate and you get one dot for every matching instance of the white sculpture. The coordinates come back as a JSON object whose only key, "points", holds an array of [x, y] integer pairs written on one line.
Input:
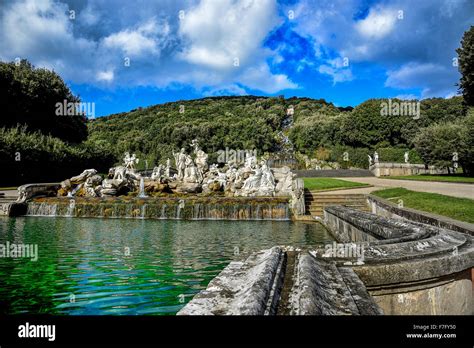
{"points": [[250, 161], [194, 176], [252, 183], [406, 156], [130, 161], [191, 174], [268, 180], [168, 168], [376, 157], [180, 160], [370, 160], [201, 159]]}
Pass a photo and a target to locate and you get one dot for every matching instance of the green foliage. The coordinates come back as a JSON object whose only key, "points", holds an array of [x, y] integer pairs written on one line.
{"points": [[466, 66], [244, 123], [395, 154], [29, 96], [356, 157], [467, 155], [35, 157], [437, 143]]}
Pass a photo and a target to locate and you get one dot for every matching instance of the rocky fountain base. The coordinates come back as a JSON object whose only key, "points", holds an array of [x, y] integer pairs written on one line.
{"points": [[193, 190]]}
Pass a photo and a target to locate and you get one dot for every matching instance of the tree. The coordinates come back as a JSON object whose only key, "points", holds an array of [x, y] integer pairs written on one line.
{"points": [[467, 155], [29, 97], [437, 143], [466, 66], [368, 125]]}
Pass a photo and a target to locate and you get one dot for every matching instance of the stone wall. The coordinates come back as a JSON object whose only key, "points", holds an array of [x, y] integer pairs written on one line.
{"points": [[403, 169], [382, 207], [408, 267]]}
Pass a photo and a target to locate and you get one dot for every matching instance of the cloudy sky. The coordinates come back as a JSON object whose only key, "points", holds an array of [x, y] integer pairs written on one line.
{"points": [[121, 54]]}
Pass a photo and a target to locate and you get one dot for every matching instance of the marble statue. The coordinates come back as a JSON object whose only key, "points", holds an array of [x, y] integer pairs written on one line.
{"points": [[70, 186], [191, 174], [376, 157], [268, 180], [250, 179], [252, 183], [370, 160], [130, 161], [180, 160], [250, 161], [201, 159], [406, 156]]}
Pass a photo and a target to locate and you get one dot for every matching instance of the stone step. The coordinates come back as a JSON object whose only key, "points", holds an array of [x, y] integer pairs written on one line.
{"points": [[336, 200], [310, 194], [321, 207], [7, 199]]}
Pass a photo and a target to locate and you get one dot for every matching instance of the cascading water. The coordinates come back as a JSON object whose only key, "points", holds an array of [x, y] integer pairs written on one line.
{"points": [[72, 193], [221, 208], [142, 193], [72, 205]]}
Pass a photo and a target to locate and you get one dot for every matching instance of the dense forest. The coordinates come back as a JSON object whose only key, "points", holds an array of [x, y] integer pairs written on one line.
{"points": [[318, 130], [37, 144]]}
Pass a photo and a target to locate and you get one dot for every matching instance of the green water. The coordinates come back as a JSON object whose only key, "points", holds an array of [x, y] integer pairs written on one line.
{"points": [[125, 266]]}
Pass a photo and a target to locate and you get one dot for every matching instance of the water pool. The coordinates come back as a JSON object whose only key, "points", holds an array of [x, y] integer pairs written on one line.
{"points": [[126, 266]]}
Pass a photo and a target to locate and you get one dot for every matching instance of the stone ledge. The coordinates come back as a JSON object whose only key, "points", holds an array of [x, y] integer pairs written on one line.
{"points": [[386, 206], [253, 287], [424, 252], [242, 288]]}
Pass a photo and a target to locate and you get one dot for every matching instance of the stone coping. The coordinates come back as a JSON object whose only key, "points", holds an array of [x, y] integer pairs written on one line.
{"points": [[405, 251], [422, 216], [254, 287]]}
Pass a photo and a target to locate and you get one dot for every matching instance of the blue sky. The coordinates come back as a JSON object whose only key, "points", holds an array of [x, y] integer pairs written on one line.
{"points": [[341, 50]]}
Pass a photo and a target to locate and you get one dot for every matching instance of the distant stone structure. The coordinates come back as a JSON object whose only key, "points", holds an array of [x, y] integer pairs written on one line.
{"points": [[402, 169]]}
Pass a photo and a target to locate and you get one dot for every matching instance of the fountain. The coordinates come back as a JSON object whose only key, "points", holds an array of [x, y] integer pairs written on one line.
{"points": [[194, 190]]}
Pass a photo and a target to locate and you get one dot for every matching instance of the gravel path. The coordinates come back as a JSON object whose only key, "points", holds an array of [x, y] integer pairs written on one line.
{"points": [[448, 189]]}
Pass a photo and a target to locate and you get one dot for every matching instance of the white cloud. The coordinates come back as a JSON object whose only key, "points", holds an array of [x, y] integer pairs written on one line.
{"points": [[378, 24], [433, 79], [220, 31], [135, 42], [428, 33], [225, 90], [261, 78], [197, 51], [406, 97], [338, 71], [107, 75]]}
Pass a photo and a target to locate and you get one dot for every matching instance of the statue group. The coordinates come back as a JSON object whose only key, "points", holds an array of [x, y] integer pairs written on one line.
{"points": [[191, 174]]}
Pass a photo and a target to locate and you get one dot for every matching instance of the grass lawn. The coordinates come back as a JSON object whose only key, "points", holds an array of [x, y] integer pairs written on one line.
{"points": [[456, 208], [442, 178], [322, 184]]}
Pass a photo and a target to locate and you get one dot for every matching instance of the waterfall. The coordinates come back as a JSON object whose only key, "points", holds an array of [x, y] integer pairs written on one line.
{"points": [[201, 208], [142, 193], [72, 193], [70, 210]]}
